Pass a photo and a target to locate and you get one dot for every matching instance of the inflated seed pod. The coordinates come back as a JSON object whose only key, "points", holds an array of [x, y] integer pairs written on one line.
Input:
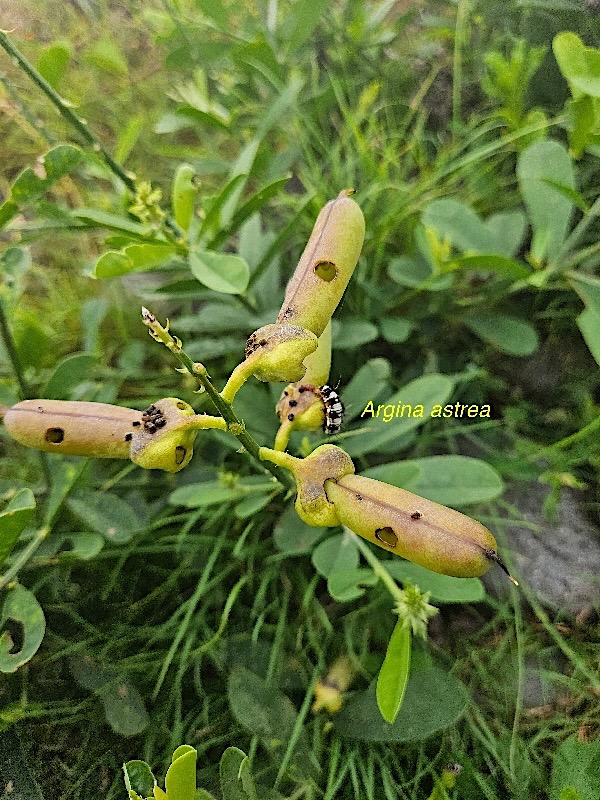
{"points": [[429, 534], [273, 353], [310, 473], [74, 428], [326, 265], [161, 437]]}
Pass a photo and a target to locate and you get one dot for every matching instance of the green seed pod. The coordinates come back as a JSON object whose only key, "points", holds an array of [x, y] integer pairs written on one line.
{"points": [[326, 265], [419, 530], [74, 428], [312, 504], [161, 437]]}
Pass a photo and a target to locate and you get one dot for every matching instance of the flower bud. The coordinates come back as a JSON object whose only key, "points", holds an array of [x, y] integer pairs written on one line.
{"points": [[429, 534], [326, 265]]}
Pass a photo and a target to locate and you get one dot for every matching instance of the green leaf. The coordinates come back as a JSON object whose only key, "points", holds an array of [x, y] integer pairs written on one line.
{"points": [[579, 64], [123, 705], [108, 514], [293, 536], [336, 554], [443, 588], [508, 229], [106, 54], [251, 504], [212, 221], [139, 778], [393, 675], [266, 712], [494, 263], [588, 288], [83, 546], [54, 60], [114, 222], [183, 195], [58, 162], [448, 480], [576, 765], [69, 373], [235, 775], [508, 334], [416, 273], [301, 21], [352, 334], [199, 495], [133, 258], [20, 607], [425, 392], [371, 380], [395, 330], [221, 272], [433, 701], [458, 223], [13, 521], [180, 780], [348, 584], [550, 211]]}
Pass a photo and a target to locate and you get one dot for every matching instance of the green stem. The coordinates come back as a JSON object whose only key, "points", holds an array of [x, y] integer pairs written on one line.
{"points": [[235, 426], [377, 566], [568, 440], [12, 354], [17, 368], [459, 41], [24, 556], [64, 109]]}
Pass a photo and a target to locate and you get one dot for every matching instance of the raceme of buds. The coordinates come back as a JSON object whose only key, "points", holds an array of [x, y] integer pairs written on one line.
{"points": [[161, 437], [310, 473], [326, 265], [429, 534]]}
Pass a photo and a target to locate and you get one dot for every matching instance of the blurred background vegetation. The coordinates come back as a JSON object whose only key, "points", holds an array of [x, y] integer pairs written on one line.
{"points": [[477, 265]]}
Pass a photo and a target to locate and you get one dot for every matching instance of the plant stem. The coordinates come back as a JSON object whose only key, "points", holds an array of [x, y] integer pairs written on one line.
{"points": [[24, 556], [12, 354], [568, 440], [64, 109], [377, 566], [462, 16], [235, 426]]}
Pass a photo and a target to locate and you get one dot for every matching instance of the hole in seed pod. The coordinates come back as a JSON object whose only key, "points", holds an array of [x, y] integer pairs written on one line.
{"points": [[54, 435], [387, 536], [180, 454], [326, 270], [181, 405]]}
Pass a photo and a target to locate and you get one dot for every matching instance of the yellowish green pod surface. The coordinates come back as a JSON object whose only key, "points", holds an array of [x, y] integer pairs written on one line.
{"points": [[274, 353], [310, 473], [73, 428], [326, 265], [161, 437], [429, 534]]}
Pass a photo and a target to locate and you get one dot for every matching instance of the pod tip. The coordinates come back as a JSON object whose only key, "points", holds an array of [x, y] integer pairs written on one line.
{"points": [[492, 555]]}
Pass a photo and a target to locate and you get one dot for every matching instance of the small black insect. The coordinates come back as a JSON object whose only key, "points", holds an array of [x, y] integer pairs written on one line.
{"points": [[128, 437], [416, 515], [334, 409]]}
